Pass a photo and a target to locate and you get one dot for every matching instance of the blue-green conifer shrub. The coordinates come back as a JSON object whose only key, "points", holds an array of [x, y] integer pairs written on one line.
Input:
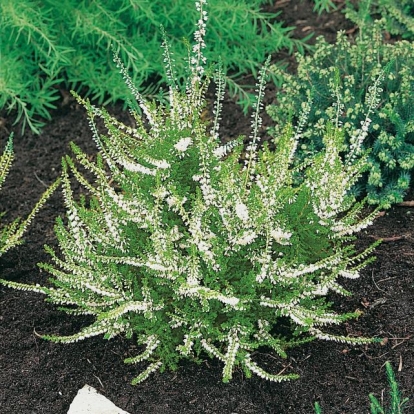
{"points": [[337, 79], [193, 252]]}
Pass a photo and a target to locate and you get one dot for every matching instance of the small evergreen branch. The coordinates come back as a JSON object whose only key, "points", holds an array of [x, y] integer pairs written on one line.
{"points": [[155, 366], [397, 403], [220, 84], [250, 365], [11, 234], [251, 150], [152, 343], [88, 332], [6, 160], [24, 287], [15, 238], [231, 354], [212, 350]]}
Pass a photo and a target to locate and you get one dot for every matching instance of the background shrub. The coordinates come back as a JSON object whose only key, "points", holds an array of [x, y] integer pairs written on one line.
{"points": [[336, 78], [47, 45]]}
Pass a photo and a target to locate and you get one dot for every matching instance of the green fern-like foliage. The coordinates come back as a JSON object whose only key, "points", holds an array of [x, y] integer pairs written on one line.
{"points": [[190, 251], [11, 234], [338, 79], [48, 45], [398, 15]]}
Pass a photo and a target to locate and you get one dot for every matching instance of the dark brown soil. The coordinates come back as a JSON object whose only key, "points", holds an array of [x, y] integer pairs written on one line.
{"points": [[41, 377]]}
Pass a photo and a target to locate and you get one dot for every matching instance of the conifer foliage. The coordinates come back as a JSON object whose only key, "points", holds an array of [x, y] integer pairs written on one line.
{"points": [[191, 251]]}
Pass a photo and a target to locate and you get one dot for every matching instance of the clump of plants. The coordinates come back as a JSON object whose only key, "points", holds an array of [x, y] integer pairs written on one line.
{"points": [[11, 234], [337, 79], [193, 252], [49, 46]]}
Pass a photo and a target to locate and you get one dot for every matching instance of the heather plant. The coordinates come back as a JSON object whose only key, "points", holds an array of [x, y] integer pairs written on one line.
{"points": [[192, 249], [48, 46], [11, 234], [397, 403], [398, 15], [339, 80]]}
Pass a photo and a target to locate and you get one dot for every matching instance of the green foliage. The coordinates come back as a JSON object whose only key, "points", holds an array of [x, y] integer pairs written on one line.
{"points": [[45, 43], [341, 79], [397, 404], [11, 234], [324, 6], [398, 15], [191, 251], [6, 160], [318, 409]]}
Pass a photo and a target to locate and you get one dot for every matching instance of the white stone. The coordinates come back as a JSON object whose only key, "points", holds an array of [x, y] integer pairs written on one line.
{"points": [[89, 401]]}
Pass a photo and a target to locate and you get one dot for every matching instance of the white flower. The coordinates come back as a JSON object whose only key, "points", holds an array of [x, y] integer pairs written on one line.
{"points": [[183, 144], [155, 266], [320, 290], [241, 211], [220, 152], [174, 201], [348, 274], [232, 301], [162, 164], [135, 167], [247, 238], [281, 236], [160, 193]]}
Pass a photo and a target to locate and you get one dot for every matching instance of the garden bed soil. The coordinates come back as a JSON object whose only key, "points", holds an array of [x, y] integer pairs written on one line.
{"points": [[37, 376]]}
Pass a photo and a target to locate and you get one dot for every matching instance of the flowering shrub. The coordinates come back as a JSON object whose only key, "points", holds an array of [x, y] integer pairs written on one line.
{"points": [[339, 79], [190, 251], [11, 234]]}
